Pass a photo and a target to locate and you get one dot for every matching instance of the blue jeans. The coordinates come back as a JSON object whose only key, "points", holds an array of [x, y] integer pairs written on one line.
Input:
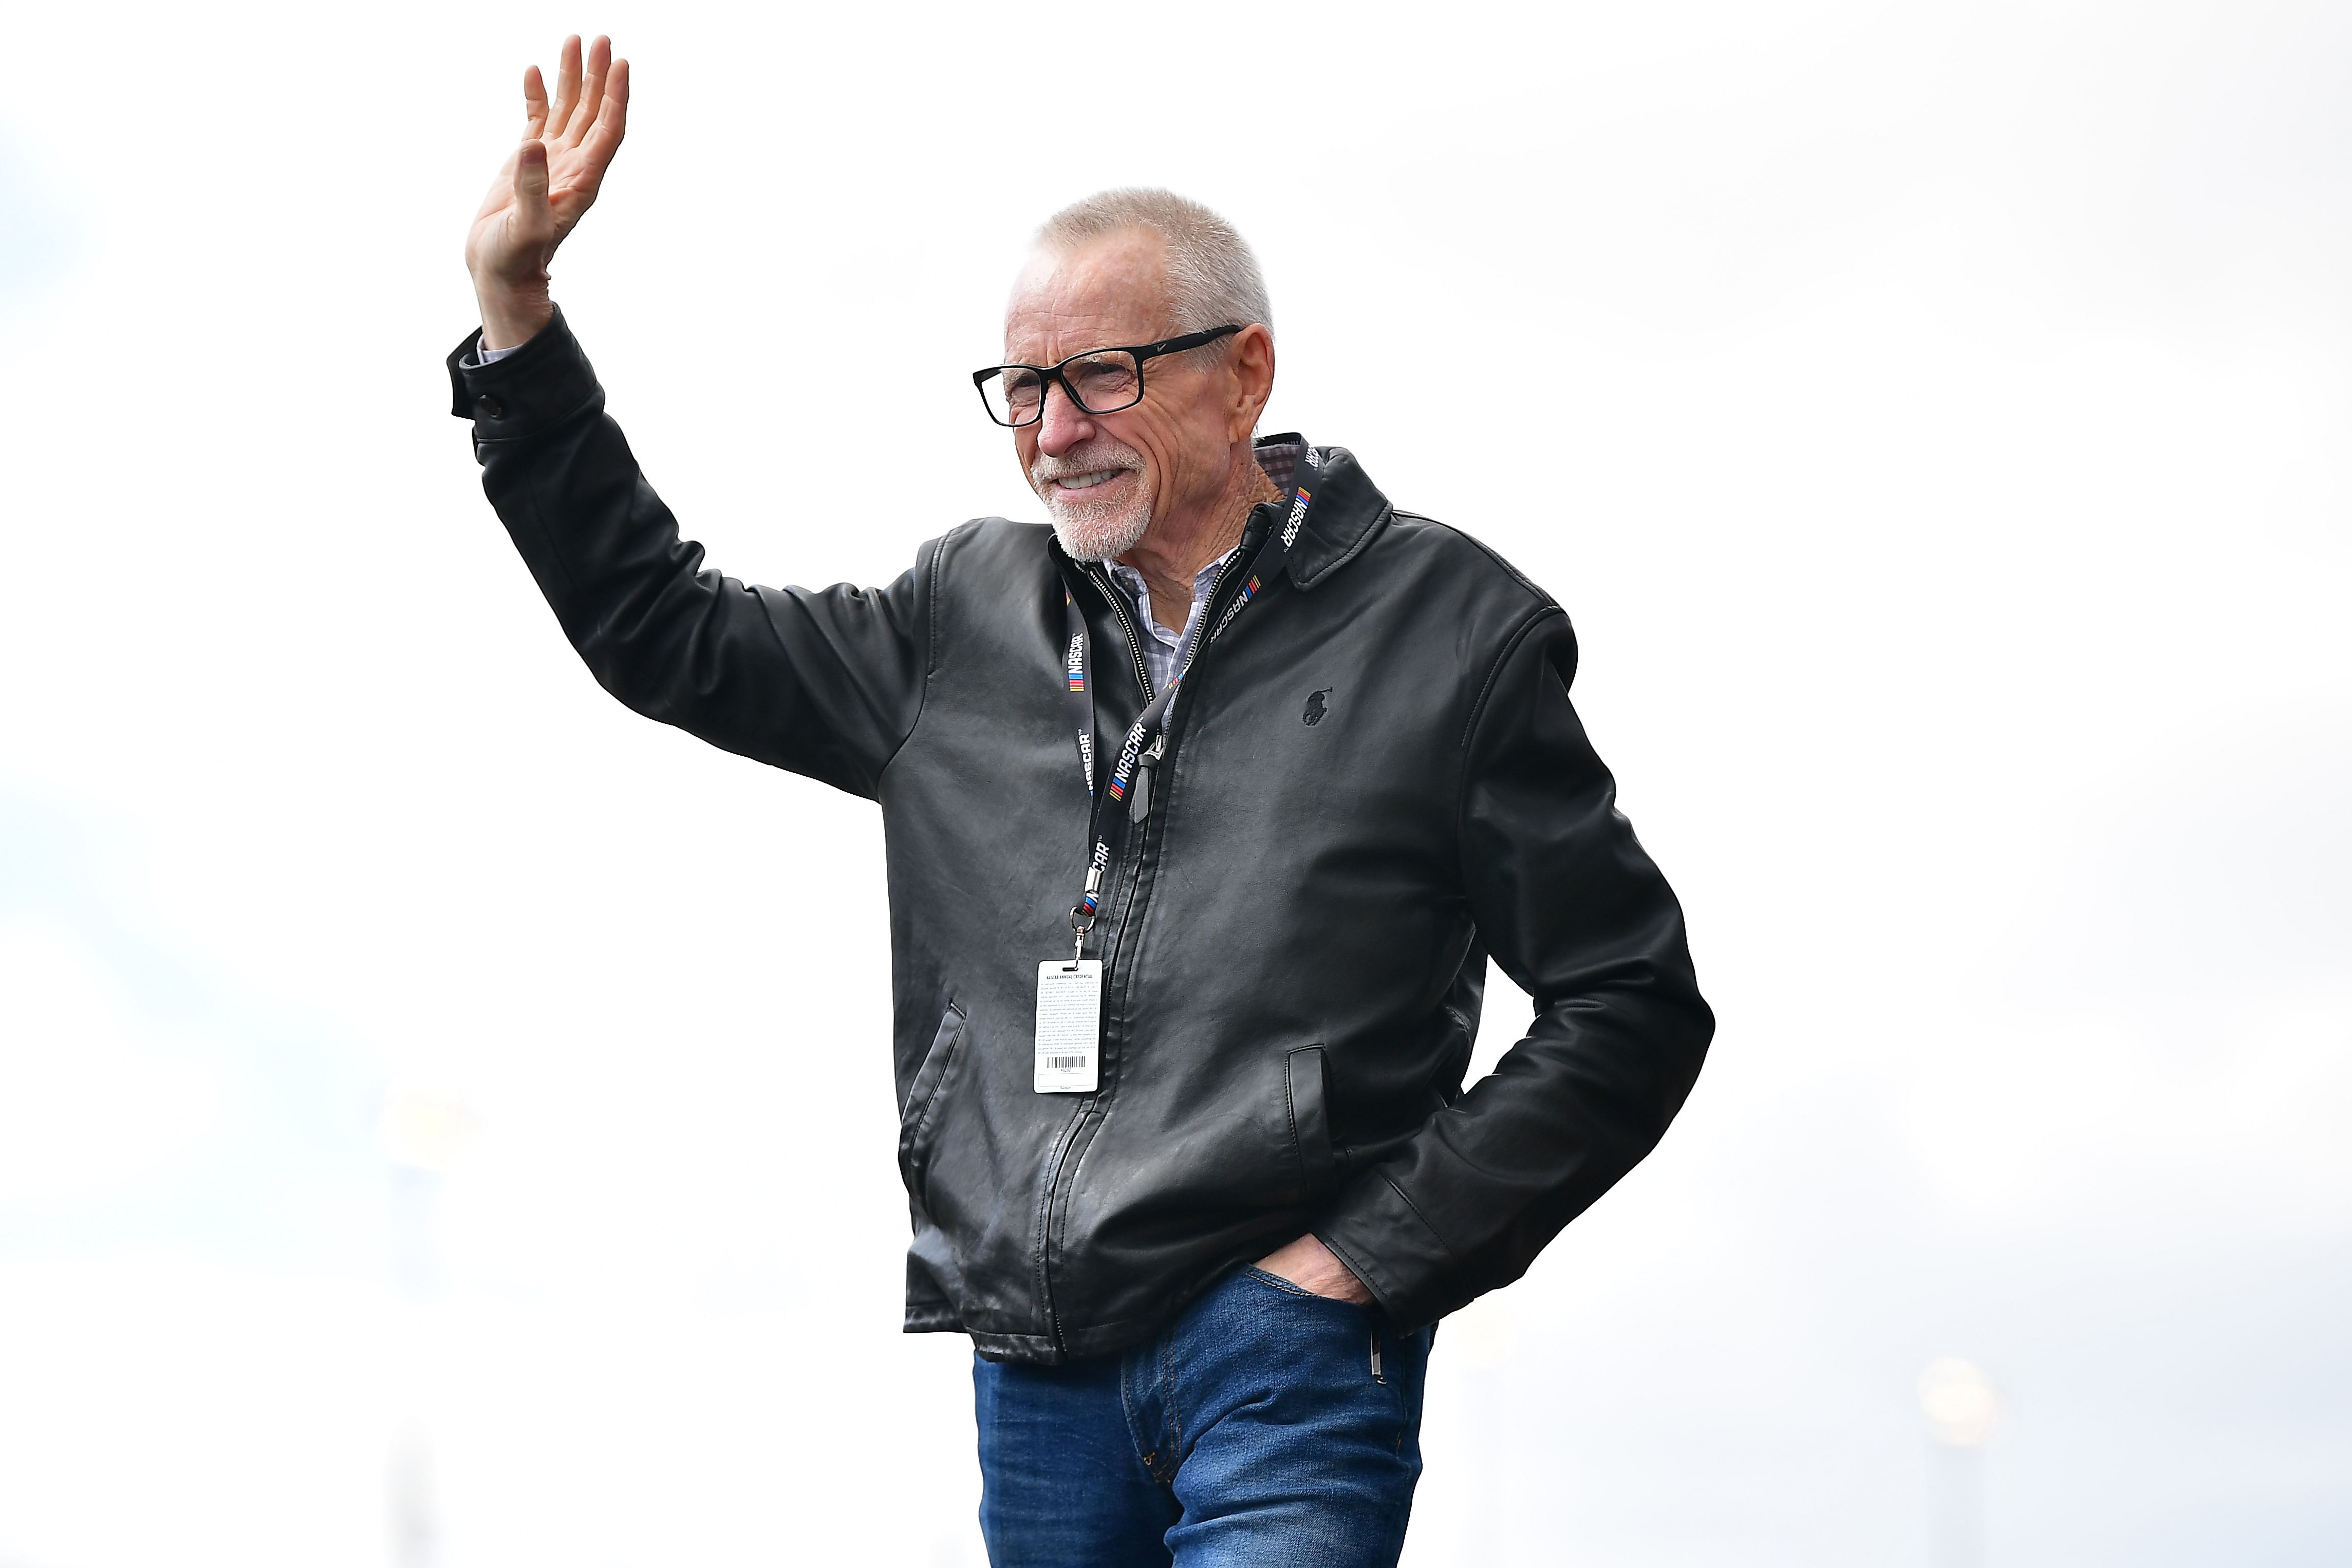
{"points": [[1264, 1425]]}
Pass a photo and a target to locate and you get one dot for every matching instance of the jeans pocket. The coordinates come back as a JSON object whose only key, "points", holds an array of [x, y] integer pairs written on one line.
{"points": [[1276, 1282], [1349, 1336]]}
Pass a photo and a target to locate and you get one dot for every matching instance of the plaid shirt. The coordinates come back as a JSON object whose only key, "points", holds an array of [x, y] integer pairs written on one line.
{"points": [[1159, 644]]}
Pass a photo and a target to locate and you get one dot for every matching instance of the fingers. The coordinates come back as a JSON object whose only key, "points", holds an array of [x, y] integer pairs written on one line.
{"points": [[591, 103], [534, 103], [604, 137], [567, 86]]}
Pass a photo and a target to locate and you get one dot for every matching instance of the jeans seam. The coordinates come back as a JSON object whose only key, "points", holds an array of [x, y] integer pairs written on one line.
{"points": [[1154, 1462], [1168, 1402], [1127, 1408]]}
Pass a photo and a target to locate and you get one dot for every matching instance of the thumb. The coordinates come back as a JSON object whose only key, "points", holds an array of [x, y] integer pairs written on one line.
{"points": [[533, 222]]}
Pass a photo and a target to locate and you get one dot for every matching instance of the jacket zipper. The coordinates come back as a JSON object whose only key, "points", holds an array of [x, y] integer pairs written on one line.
{"points": [[1079, 1112], [1127, 623], [1139, 795]]}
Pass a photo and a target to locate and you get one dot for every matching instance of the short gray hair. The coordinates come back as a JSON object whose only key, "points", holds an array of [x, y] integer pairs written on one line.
{"points": [[1213, 275]]}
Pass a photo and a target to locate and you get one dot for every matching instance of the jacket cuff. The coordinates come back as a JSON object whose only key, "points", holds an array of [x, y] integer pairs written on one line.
{"points": [[540, 385], [1385, 1243]]}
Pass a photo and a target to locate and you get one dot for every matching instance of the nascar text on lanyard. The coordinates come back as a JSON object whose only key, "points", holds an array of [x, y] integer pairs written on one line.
{"points": [[1069, 991]]}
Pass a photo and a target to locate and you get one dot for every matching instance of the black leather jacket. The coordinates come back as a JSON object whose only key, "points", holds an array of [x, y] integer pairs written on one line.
{"points": [[1374, 783]]}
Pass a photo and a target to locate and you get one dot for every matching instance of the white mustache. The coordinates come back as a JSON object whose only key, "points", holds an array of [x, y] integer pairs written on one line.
{"points": [[1046, 470]]}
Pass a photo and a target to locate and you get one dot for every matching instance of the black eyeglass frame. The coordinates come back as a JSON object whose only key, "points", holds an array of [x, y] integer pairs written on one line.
{"points": [[1048, 375]]}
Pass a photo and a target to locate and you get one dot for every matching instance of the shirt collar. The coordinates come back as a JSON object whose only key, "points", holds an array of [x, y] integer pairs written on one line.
{"points": [[1140, 592]]}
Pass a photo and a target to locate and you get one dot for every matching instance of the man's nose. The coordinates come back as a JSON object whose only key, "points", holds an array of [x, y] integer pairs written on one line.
{"points": [[1062, 424]]}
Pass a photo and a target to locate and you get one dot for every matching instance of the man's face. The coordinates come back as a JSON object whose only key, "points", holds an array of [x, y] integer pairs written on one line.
{"points": [[1105, 477]]}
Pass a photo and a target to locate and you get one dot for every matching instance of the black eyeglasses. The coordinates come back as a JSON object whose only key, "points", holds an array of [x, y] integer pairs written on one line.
{"points": [[1100, 381]]}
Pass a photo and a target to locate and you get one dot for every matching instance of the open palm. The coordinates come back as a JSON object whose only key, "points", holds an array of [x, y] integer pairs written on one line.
{"points": [[549, 181]]}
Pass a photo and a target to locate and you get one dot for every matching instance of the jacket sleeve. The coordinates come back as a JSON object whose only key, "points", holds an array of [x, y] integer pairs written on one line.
{"points": [[1574, 911], [824, 683]]}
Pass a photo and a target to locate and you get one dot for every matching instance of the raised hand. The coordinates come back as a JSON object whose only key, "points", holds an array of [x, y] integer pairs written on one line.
{"points": [[547, 185]]}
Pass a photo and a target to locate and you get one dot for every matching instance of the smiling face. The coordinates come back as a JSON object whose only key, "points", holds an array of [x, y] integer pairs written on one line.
{"points": [[1106, 478]]}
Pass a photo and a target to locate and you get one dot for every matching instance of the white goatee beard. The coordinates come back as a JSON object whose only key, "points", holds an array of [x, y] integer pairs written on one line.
{"points": [[1093, 530], [1091, 537]]}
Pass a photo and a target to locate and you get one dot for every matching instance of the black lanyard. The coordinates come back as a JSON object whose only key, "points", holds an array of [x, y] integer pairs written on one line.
{"points": [[1151, 724]]}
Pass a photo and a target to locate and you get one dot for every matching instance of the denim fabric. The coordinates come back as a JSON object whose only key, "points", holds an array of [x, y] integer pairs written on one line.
{"points": [[1255, 1429]]}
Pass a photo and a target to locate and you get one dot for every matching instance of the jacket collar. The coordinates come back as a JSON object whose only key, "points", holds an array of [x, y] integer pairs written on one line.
{"points": [[1347, 508]]}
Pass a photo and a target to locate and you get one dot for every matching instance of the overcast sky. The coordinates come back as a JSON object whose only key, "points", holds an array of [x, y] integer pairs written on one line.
{"points": [[1935, 419]]}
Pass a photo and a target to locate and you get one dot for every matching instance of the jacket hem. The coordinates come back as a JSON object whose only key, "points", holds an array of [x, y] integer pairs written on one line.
{"points": [[1032, 1350]]}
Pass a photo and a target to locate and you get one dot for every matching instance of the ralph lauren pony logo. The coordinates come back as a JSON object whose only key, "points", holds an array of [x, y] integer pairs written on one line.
{"points": [[1316, 707]]}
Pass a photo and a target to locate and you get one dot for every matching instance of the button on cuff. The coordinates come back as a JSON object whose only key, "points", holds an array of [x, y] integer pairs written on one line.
{"points": [[540, 385]]}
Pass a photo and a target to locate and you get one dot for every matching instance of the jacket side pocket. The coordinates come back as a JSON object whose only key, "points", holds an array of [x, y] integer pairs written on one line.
{"points": [[916, 1119], [1305, 1092]]}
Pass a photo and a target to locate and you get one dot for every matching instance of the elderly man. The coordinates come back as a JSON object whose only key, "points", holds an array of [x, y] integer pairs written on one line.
{"points": [[1206, 807]]}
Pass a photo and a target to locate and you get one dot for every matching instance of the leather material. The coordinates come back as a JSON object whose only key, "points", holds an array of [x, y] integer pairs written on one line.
{"points": [[1374, 783]]}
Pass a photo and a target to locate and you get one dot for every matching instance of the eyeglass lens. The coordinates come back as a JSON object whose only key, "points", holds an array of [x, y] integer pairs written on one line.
{"points": [[1103, 383]]}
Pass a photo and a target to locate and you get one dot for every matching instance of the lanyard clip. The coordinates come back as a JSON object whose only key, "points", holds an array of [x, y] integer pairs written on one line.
{"points": [[1082, 921], [1139, 799]]}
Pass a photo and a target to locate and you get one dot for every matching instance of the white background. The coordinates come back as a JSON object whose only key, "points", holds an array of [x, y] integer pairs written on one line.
{"points": [[1935, 419]]}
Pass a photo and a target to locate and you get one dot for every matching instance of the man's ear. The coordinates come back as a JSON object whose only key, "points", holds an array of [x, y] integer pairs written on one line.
{"points": [[1251, 361]]}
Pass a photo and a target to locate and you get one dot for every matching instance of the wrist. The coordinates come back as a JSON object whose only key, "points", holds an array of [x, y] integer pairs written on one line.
{"points": [[512, 316]]}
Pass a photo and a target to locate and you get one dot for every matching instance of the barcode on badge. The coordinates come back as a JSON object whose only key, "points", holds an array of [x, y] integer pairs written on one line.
{"points": [[1066, 1063]]}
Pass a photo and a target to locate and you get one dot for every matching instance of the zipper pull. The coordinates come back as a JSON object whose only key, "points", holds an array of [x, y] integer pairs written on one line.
{"points": [[1139, 797]]}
